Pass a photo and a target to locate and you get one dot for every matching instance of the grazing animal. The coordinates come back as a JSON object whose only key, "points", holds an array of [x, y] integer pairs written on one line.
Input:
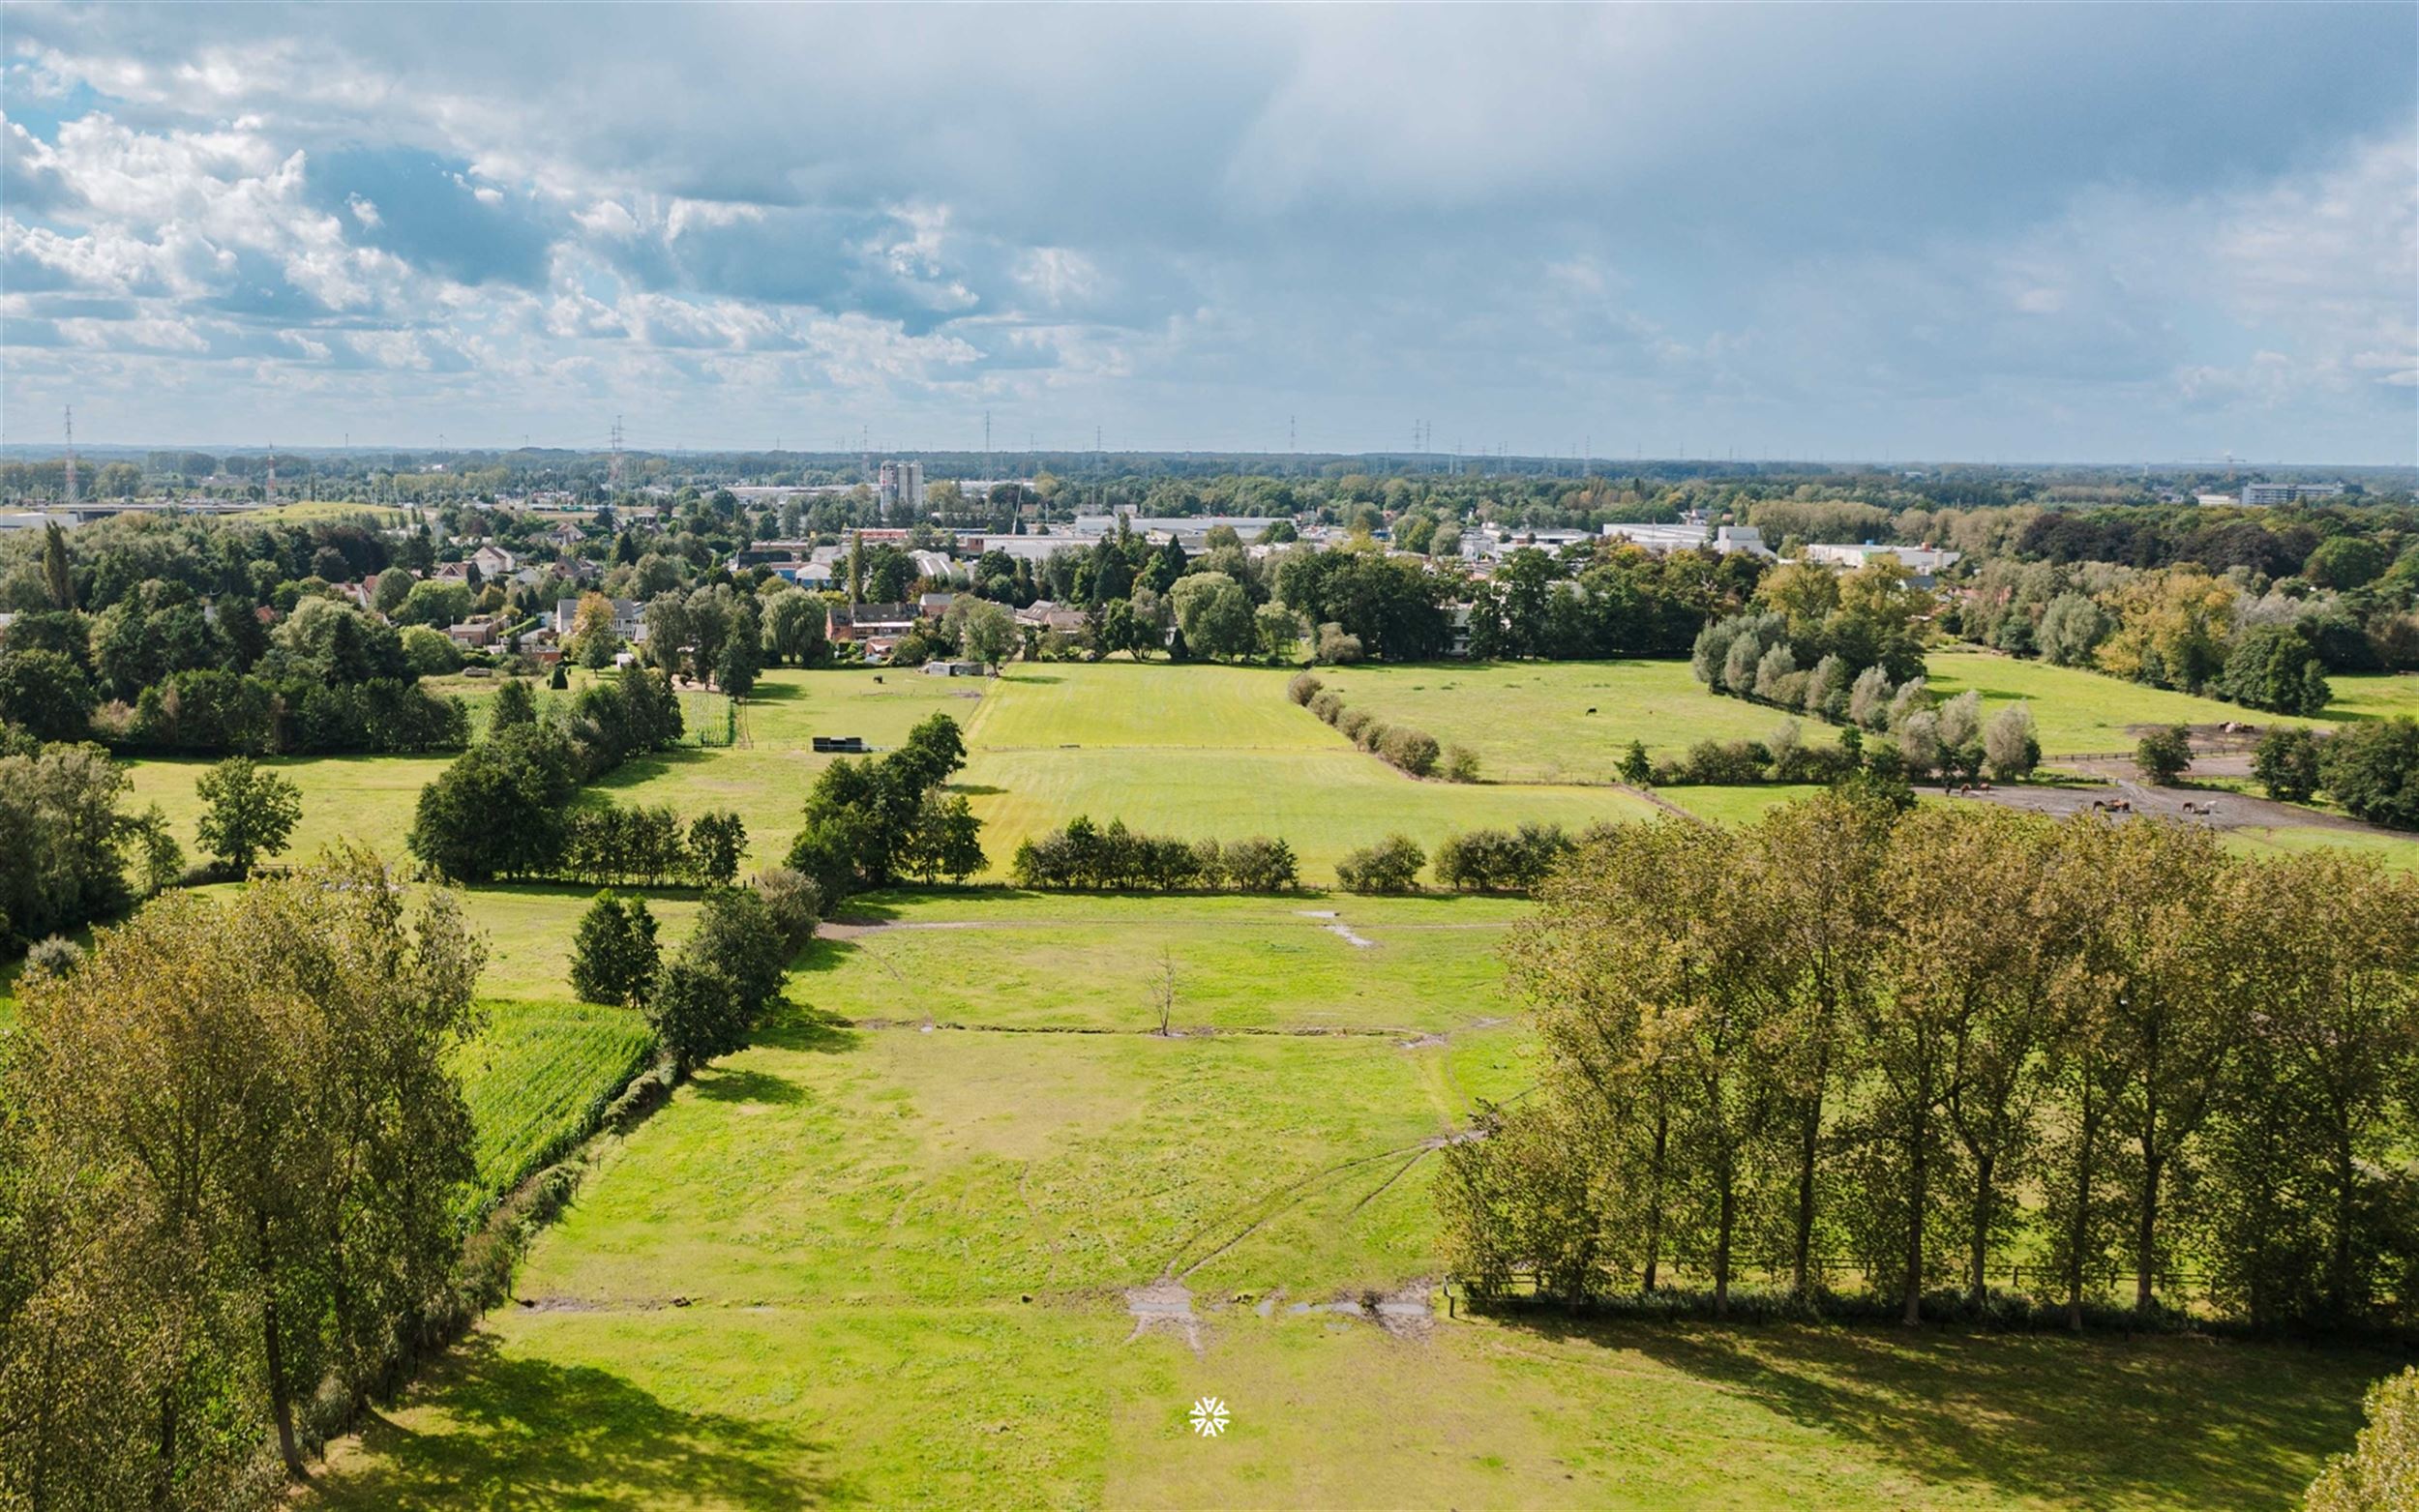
{"points": [[1591, 711]]}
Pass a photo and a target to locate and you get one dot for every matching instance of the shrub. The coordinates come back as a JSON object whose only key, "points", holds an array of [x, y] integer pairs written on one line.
{"points": [[1352, 721], [1328, 706], [56, 956], [1911, 699], [1390, 865], [792, 903], [1303, 688], [1461, 764], [1413, 751], [1260, 865], [1494, 860], [1635, 769], [2381, 1473], [2165, 754], [1335, 647]]}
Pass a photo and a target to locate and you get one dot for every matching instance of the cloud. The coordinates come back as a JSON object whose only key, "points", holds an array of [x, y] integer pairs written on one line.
{"points": [[1977, 230]]}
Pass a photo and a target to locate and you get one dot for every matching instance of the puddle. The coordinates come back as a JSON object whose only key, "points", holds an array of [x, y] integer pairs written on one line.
{"points": [[1164, 1304]]}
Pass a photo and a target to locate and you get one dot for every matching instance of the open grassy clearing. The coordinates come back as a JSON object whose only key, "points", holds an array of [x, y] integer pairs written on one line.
{"points": [[1529, 721], [1323, 802], [1127, 703], [1741, 805], [534, 1073], [854, 1220], [366, 799], [2401, 852], [2074, 710], [1034, 961], [2373, 696]]}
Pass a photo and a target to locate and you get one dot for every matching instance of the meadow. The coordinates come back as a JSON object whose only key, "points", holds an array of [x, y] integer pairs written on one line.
{"points": [[2077, 711], [963, 1228], [901, 1264]]}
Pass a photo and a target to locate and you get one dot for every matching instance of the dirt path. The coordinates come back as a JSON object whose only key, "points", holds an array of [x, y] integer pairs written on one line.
{"points": [[2223, 810]]}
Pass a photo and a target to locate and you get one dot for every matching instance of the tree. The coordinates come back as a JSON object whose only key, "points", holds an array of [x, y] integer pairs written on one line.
{"points": [[2071, 629], [1215, 614], [736, 667], [243, 1117], [593, 640], [2275, 666], [717, 839], [46, 694], [2286, 764], [1635, 769], [1390, 865], [515, 704], [615, 956], [1279, 631], [2372, 768], [247, 812], [987, 632], [2010, 745], [2165, 754]]}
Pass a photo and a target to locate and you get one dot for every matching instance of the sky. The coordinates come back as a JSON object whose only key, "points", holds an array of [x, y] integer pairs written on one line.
{"points": [[1943, 232]]}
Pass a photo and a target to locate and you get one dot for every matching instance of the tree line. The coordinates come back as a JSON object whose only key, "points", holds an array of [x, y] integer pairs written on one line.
{"points": [[1916, 1046], [1085, 857], [236, 1172], [502, 809], [874, 821]]}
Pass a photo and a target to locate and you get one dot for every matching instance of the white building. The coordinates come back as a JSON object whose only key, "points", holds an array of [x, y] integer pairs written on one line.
{"points": [[1922, 561], [2287, 492]]}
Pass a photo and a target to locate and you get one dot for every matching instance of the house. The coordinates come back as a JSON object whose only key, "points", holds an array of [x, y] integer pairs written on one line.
{"points": [[629, 622], [932, 606], [1043, 614], [567, 537], [477, 633], [867, 623], [493, 561]]}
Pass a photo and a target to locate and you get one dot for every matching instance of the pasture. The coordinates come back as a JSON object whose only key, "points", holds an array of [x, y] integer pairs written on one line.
{"points": [[535, 1073], [908, 1265], [2077, 711], [1529, 721], [2359, 696]]}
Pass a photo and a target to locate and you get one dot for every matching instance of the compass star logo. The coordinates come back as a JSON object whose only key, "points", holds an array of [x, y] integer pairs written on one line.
{"points": [[1209, 1417]]}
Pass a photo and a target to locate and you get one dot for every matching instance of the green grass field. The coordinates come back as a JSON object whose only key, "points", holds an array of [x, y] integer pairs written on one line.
{"points": [[889, 1266], [1529, 721], [534, 1073], [2373, 696], [2074, 710]]}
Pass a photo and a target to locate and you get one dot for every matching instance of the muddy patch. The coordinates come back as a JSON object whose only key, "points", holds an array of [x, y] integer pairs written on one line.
{"points": [[1164, 1305], [1404, 1313]]}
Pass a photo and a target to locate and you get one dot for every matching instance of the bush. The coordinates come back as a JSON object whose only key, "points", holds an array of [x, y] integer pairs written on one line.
{"points": [[1303, 688], [1337, 648], [1390, 865], [2286, 764], [56, 956], [1328, 706], [2381, 1473], [1084, 856], [1461, 764], [1501, 861], [1413, 751], [792, 903], [2165, 754], [1352, 721]]}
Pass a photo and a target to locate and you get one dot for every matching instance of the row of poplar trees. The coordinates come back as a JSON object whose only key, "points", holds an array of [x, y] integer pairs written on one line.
{"points": [[1927, 1048]]}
